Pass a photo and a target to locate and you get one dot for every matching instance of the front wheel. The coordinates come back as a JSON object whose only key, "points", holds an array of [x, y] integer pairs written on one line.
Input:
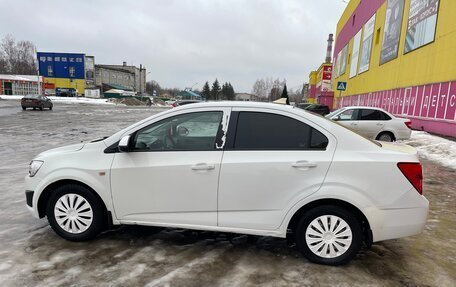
{"points": [[329, 235], [23, 108], [50, 107], [75, 213]]}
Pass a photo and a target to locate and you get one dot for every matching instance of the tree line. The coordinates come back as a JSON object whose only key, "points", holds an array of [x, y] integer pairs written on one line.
{"points": [[17, 58], [226, 92], [269, 89]]}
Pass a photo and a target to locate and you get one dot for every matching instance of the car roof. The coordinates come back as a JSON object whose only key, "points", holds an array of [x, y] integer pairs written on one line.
{"points": [[245, 104], [363, 107]]}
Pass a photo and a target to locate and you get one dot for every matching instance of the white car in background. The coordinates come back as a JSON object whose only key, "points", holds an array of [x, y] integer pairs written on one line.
{"points": [[373, 123], [241, 167]]}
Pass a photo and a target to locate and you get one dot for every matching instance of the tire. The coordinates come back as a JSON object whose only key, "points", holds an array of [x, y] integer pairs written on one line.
{"points": [[386, 137], [343, 239], [41, 108], [23, 108], [50, 107], [80, 214]]}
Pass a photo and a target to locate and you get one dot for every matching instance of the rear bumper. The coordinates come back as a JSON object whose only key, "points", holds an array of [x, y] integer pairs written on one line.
{"points": [[395, 222], [404, 134]]}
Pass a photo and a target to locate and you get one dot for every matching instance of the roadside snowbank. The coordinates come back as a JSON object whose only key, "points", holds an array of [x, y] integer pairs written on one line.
{"points": [[65, 100], [434, 148]]}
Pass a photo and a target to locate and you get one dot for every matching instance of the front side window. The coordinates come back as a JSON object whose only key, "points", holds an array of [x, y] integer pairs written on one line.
{"points": [[348, 115], [265, 131], [187, 132]]}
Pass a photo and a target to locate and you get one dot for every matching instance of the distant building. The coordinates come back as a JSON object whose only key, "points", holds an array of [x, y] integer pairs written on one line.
{"points": [[123, 77], [246, 97], [19, 84], [63, 73]]}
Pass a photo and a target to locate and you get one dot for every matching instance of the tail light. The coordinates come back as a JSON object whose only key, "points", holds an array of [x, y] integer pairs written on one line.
{"points": [[408, 124], [414, 173], [174, 104]]}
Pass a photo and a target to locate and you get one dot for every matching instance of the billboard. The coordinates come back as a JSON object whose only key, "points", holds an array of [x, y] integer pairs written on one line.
{"points": [[421, 24], [392, 33], [368, 36], [355, 55], [61, 65]]}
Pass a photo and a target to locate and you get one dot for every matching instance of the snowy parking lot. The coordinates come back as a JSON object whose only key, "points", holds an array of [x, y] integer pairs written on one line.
{"points": [[31, 254]]}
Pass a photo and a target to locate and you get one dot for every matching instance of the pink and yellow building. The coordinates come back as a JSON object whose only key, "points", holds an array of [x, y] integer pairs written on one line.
{"points": [[399, 55]]}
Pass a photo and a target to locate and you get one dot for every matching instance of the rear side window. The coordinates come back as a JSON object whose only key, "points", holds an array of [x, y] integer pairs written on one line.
{"points": [[370, 115], [265, 131]]}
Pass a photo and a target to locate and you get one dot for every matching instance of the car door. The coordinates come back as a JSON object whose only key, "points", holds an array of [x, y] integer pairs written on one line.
{"points": [[170, 176], [370, 122], [271, 161]]}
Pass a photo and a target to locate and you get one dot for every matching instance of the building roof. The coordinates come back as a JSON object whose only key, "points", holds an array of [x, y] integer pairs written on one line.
{"points": [[28, 78]]}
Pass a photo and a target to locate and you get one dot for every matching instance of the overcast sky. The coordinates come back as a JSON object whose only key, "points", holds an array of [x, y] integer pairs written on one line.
{"points": [[184, 42]]}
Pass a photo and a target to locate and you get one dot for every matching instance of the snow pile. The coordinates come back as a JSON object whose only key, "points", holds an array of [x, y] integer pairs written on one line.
{"points": [[434, 148], [67, 100]]}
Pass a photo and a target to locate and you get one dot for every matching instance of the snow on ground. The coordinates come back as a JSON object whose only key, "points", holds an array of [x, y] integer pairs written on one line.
{"points": [[434, 148]]}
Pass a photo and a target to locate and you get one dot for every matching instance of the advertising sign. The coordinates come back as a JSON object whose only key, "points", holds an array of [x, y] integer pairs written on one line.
{"points": [[421, 23], [343, 60], [355, 55], [392, 33], [367, 44]]}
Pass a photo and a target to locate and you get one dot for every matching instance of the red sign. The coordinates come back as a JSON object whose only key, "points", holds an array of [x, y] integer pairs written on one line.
{"points": [[326, 75]]}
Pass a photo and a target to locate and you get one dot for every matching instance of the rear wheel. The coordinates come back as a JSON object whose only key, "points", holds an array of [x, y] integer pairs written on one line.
{"points": [[386, 137], [329, 235], [23, 108], [75, 213]]}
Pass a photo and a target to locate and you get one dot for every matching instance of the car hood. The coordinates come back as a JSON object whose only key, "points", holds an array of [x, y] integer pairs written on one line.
{"points": [[63, 149]]}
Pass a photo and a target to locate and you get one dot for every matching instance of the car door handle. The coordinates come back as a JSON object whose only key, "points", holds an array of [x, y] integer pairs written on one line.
{"points": [[354, 124], [379, 124], [304, 164], [203, 166]]}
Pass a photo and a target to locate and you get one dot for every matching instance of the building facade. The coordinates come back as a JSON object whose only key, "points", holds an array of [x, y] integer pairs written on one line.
{"points": [[118, 76], [19, 84], [399, 55], [63, 73], [320, 89]]}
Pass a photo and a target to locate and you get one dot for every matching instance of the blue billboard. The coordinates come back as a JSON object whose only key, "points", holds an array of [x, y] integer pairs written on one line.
{"points": [[61, 65]]}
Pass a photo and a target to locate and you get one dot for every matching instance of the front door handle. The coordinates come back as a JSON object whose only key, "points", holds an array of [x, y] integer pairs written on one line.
{"points": [[304, 164], [203, 166]]}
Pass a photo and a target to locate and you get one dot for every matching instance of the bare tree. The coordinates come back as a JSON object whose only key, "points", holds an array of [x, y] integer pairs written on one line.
{"points": [[17, 58]]}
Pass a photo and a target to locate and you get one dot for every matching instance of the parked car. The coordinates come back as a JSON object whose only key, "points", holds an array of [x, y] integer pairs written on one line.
{"points": [[318, 109], [184, 102], [36, 102], [243, 167], [303, 105], [373, 123]]}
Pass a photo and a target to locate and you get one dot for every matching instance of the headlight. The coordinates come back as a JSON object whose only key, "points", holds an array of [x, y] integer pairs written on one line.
{"points": [[34, 167]]}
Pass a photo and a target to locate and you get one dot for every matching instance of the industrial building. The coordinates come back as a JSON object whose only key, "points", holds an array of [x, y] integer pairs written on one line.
{"points": [[19, 84], [399, 55], [123, 77]]}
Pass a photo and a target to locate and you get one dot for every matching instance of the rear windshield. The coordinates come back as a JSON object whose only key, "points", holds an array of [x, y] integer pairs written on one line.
{"points": [[32, 96]]}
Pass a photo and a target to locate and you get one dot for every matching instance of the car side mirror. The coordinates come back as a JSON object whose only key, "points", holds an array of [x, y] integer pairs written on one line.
{"points": [[124, 144], [336, 118]]}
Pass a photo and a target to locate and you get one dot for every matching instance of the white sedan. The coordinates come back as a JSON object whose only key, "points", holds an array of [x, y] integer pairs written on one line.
{"points": [[241, 167], [373, 123]]}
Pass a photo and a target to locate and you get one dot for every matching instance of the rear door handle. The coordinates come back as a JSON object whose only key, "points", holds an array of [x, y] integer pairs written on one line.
{"points": [[203, 166], [304, 164]]}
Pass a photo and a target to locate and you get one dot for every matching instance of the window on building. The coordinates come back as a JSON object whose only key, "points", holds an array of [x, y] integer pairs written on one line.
{"points": [[71, 71], [377, 36], [50, 71], [266, 131]]}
